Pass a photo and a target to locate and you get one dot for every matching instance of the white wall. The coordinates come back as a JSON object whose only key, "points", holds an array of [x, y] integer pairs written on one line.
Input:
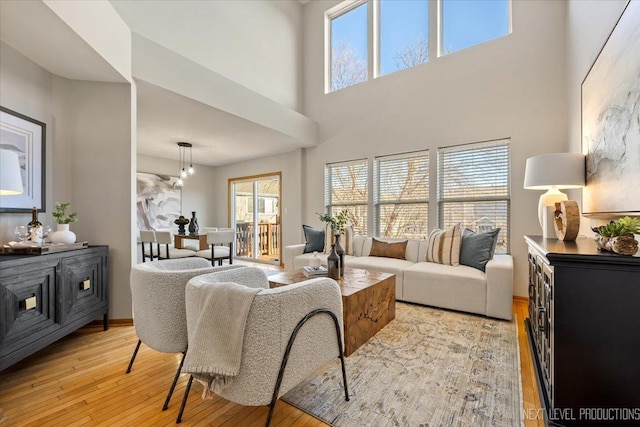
{"points": [[589, 24], [509, 87], [198, 192], [291, 201], [26, 88]]}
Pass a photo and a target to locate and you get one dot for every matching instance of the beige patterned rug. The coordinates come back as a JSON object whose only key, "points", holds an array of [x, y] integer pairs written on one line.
{"points": [[427, 368]]}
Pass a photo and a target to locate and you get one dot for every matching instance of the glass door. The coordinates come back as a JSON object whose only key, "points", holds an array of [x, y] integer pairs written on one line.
{"points": [[255, 213]]}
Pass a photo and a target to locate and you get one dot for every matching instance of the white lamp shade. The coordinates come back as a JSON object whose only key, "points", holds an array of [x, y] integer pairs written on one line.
{"points": [[10, 177], [558, 170]]}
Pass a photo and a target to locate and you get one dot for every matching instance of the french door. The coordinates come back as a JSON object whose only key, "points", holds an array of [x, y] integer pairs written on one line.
{"points": [[254, 204]]}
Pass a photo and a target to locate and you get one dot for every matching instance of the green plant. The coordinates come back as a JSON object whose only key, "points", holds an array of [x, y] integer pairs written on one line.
{"points": [[620, 227], [60, 211], [336, 223]]}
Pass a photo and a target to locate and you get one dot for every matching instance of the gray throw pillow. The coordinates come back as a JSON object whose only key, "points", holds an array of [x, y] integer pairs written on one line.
{"points": [[478, 248], [314, 239]]}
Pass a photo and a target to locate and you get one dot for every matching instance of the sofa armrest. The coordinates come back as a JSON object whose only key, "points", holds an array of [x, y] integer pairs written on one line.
{"points": [[290, 252], [499, 272]]}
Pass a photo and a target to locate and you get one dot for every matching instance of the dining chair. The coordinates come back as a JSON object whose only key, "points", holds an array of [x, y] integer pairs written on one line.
{"points": [[221, 243], [148, 237], [165, 238]]}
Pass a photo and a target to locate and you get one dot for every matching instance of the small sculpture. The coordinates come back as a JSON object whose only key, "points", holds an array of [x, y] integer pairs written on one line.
{"points": [[181, 222]]}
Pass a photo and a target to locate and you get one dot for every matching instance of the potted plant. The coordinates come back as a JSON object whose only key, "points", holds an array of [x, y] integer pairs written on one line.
{"points": [[62, 233], [618, 236]]}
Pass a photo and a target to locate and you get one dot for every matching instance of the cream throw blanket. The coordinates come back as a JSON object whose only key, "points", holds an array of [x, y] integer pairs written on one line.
{"points": [[216, 318]]}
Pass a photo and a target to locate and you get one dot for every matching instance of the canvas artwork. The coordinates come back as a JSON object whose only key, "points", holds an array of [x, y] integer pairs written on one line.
{"points": [[611, 121], [158, 201], [26, 137]]}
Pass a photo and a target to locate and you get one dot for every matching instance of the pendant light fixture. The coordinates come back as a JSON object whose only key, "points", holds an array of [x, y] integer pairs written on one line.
{"points": [[182, 147]]}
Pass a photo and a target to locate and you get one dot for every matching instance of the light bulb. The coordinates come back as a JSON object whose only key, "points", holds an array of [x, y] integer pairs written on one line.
{"points": [[183, 173], [179, 182], [191, 170]]}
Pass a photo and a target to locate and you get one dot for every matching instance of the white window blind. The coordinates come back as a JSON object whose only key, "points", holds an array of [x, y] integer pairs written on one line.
{"points": [[401, 195], [347, 187], [474, 188]]}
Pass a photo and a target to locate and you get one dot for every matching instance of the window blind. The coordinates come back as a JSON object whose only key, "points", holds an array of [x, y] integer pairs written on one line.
{"points": [[347, 187], [401, 195], [474, 188]]}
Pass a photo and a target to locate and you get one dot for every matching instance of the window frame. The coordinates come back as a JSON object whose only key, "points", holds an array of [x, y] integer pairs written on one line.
{"points": [[377, 203], [441, 200]]}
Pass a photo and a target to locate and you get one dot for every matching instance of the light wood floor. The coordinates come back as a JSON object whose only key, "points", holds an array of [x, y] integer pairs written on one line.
{"points": [[81, 380]]}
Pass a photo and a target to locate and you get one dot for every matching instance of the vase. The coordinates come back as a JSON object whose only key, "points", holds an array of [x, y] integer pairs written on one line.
{"points": [[63, 235], [193, 224], [333, 264], [315, 262], [340, 252], [181, 221]]}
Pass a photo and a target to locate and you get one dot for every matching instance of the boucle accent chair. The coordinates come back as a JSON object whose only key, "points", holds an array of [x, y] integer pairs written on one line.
{"points": [[290, 331], [157, 293]]}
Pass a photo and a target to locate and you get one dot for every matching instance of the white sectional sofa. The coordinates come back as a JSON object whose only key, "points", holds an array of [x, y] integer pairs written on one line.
{"points": [[453, 287]]}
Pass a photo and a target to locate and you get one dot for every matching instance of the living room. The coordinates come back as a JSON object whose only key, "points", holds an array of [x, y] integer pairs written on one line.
{"points": [[93, 82]]}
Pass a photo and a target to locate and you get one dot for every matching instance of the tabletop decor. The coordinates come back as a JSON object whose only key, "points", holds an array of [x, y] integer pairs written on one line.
{"points": [[337, 225], [193, 224], [181, 221], [62, 233], [618, 236], [23, 137]]}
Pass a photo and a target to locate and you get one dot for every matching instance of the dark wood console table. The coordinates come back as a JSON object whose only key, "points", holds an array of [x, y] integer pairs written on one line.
{"points": [[584, 332], [45, 297]]}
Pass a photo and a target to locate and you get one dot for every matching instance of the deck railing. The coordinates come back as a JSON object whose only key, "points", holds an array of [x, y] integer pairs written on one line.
{"points": [[268, 239]]}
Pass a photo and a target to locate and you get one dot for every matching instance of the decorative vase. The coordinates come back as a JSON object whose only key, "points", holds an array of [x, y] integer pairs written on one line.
{"points": [[340, 252], [193, 224], [333, 264], [181, 221], [315, 262], [63, 235]]}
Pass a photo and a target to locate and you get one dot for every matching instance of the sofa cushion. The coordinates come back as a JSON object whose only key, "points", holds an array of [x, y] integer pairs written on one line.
{"points": [[388, 250], [444, 246], [478, 248], [358, 243], [458, 288], [314, 239], [346, 239], [386, 265]]}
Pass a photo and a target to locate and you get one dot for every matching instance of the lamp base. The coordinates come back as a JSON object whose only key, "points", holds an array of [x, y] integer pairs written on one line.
{"points": [[548, 231], [549, 198]]}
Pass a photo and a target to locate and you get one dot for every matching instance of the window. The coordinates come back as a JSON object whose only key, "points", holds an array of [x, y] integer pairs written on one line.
{"points": [[404, 35], [349, 47], [401, 195], [474, 188], [371, 38], [346, 187], [467, 23]]}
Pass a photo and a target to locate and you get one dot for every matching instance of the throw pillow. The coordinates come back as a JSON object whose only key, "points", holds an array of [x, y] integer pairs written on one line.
{"points": [[444, 246], [478, 248], [314, 239], [388, 250]]}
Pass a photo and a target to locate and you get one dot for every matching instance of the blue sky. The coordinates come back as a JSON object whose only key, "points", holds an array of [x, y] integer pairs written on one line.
{"points": [[402, 22]]}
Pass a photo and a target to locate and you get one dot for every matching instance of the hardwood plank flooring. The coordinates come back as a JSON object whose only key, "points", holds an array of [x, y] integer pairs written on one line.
{"points": [[80, 381]]}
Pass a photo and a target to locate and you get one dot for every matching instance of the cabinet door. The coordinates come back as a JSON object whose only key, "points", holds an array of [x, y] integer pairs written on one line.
{"points": [[82, 286], [27, 296]]}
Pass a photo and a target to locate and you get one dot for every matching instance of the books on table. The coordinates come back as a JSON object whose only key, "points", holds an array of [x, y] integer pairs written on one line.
{"points": [[310, 272]]}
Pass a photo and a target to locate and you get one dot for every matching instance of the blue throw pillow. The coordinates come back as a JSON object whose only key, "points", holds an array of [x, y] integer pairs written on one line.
{"points": [[478, 248], [314, 239]]}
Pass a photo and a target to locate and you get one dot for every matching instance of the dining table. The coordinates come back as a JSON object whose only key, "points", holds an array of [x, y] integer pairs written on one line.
{"points": [[178, 240]]}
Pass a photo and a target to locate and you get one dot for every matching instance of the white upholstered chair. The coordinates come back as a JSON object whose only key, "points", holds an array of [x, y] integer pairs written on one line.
{"points": [[148, 237], [221, 244], [169, 251], [290, 331], [157, 293]]}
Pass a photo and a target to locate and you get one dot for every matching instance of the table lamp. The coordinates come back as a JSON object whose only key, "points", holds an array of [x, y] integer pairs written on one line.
{"points": [[553, 172], [10, 177]]}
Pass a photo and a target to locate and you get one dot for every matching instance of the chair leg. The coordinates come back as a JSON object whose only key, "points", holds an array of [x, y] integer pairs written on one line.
{"points": [[133, 357], [287, 351], [173, 384], [184, 400]]}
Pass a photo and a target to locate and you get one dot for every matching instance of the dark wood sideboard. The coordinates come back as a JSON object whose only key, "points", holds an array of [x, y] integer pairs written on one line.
{"points": [[584, 332], [45, 297]]}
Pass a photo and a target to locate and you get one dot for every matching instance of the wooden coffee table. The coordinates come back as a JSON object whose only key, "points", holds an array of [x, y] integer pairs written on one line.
{"points": [[368, 302]]}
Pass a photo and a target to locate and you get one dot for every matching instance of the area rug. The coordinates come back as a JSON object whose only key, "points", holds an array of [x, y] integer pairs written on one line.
{"points": [[427, 368]]}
